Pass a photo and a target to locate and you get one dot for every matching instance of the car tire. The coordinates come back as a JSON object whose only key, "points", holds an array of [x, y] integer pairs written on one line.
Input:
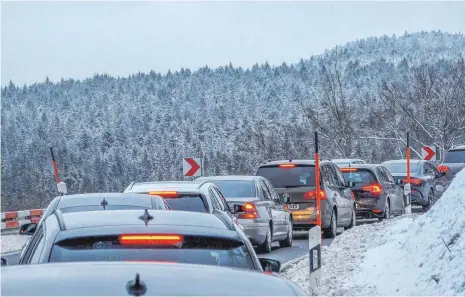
{"points": [[288, 241], [430, 198], [353, 221], [331, 231], [265, 247], [387, 212]]}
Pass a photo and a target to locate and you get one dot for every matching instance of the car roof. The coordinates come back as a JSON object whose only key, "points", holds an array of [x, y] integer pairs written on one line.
{"points": [[132, 199], [346, 160], [360, 166], [160, 279], [102, 218], [180, 186], [458, 148], [401, 161], [230, 177], [297, 162]]}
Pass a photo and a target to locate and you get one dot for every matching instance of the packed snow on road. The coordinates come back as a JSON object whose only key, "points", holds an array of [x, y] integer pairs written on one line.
{"points": [[408, 255], [12, 243]]}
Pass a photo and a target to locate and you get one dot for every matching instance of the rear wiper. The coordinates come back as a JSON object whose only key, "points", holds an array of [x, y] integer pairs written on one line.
{"points": [[295, 186]]}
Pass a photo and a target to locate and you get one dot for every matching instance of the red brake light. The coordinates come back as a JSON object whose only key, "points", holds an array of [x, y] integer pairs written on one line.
{"points": [[161, 239], [165, 194], [311, 195], [287, 165], [443, 168], [353, 195], [416, 181], [250, 211], [374, 189], [348, 169]]}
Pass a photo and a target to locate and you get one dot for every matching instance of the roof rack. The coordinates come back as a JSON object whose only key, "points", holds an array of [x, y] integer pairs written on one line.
{"points": [[229, 223], [61, 220]]}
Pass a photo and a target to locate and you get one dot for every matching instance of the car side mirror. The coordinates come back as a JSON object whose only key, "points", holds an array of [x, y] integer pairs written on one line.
{"points": [[4, 262], [350, 184], [443, 173], [270, 265], [28, 229], [399, 181], [237, 208]]}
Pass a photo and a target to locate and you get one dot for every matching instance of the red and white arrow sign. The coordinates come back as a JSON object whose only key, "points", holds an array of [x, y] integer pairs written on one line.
{"points": [[192, 166], [428, 153]]}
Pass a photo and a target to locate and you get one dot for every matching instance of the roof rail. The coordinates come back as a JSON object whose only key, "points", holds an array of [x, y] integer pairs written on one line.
{"points": [[61, 220], [226, 220]]}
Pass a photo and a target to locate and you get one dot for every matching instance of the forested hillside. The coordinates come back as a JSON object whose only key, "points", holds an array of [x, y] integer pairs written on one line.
{"points": [[106, 132]]}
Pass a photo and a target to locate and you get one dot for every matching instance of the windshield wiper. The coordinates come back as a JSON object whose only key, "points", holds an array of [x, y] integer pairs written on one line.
{"points": [[295, 186]]}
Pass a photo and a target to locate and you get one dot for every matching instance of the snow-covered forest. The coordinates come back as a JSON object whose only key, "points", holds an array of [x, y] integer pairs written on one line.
{"points": [[106, 132]]}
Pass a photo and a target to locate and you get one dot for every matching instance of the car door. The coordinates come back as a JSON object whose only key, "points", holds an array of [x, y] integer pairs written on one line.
{"points": [[438, 181], [332, 193], [393, 190], [277, 227], [345, 193], [282, 215], [429, 176]]}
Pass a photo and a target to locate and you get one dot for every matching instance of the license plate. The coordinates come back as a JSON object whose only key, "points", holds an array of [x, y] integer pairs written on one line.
{"points": [[293, 206]]}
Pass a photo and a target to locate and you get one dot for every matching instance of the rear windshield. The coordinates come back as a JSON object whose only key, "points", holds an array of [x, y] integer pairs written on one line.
{"points": [[236, 188], [98, 207], [293, 177], [455, 157], [194, 250], [401, 167], [360, 177], [188, 203]]}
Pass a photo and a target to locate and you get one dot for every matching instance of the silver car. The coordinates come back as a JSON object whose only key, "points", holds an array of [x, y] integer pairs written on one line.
{"points": [[259, 209], [454, 161]]}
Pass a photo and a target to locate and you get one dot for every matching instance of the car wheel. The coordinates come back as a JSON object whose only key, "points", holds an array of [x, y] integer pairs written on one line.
{"points": [[387, 212], [288, 241], [430, 198], [265, 247], [353, 221], [331, 231]]}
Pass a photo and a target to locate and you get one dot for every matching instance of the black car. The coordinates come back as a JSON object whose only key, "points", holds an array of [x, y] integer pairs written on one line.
{"points": [[377, 194], [143, 235], [295, 181], [140, 279], [427, 183]]}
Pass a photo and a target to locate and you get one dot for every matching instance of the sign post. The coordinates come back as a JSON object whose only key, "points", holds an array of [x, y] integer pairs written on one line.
{"points": [[314, 247], [407, 186], [61, 186], [192, 167], [317, 183]]}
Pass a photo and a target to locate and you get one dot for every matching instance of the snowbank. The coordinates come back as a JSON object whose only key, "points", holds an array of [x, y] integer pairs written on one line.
{"points": [[409, 255], [12, 243]]}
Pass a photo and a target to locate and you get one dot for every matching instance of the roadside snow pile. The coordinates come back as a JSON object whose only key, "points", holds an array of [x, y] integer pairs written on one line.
{"points": [[408, 255], [12, 243]]}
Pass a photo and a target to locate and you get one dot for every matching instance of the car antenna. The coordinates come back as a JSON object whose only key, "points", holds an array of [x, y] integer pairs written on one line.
{"points": [[146, 217], [104, 203], [136, 287]]}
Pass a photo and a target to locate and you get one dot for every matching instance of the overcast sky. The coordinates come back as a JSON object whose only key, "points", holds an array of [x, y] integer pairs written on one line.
{"points": [[77, 40]]}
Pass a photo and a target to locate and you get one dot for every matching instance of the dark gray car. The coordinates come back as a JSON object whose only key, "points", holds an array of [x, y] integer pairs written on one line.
{"points": [[454, 161], [295, 180], [376, 193], [426, 181], [140, 279], [261, 213], [142, 235]]}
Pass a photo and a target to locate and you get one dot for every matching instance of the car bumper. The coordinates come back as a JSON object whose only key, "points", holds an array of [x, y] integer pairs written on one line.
{"points": [[419, 198], [307, 218], [255, 231], [368, 208]]}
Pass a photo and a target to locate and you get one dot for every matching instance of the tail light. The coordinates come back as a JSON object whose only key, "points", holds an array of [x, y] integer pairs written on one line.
{"points": [[287, 166], [348, 170], [250, 211], [165, 194], [159, 239], [353, 195], [374, 189], [443, 168], [415, 181], [311, 195]]}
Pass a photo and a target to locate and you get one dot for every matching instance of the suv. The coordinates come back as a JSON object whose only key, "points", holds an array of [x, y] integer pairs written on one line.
{"points": [[143, 235], [376, 193], [295, 181], [454, 161], [260, 209], [426, 181]]}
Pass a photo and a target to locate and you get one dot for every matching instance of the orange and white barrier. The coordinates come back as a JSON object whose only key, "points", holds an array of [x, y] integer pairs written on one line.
{"points": [[15, 219]]}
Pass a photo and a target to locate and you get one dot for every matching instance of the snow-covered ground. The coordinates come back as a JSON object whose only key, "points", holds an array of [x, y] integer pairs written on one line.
{"points": [[12, 243], [408, 255]]}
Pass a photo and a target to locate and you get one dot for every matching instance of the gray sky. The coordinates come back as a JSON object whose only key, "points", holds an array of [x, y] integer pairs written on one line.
{"points": [[77, 40]]}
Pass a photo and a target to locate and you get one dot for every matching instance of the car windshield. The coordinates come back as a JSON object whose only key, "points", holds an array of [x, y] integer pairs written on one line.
{"points": [[360, 177], [236, 188], [189, 203], [196, 250], [401, 167], [98, 207], [455, 157], [289, 177]]}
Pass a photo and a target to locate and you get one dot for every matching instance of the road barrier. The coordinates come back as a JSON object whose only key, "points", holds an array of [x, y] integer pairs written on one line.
{"points": [[15, 219], [314, 250]]}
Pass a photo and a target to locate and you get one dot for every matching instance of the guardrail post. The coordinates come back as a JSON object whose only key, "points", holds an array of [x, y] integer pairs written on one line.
{"points": [[314, 246]]}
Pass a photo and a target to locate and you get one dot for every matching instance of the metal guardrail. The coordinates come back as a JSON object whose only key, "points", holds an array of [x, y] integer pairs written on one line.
{"points": [[15, 219]]}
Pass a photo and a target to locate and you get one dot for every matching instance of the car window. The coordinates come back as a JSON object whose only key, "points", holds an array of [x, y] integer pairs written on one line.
{"points": [[38, 250], [236, 188], [189, 203], [294, 176], [339, 176], [401, 167], [217, 197], [382, 176], [361, 177], [428, 169], [194, 250], [222, 200], [329, 175], [388, 174], [266, 193], [32, 245], [456, 156], [271, 189], [213, 199]]}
